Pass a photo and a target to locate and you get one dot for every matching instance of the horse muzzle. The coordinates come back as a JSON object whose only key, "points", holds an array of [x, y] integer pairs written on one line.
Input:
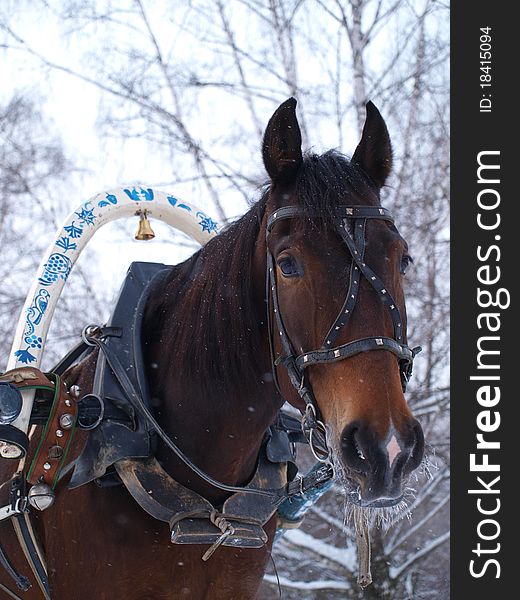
{"points": [[378, 469]]}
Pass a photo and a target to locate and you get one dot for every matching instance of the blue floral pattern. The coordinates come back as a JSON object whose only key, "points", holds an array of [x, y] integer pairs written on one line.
{"points": [[36, 311], [110, 199], [66, 244], [73, 231], [142, 194], [33, 318], [24, 356], [58, 265]]}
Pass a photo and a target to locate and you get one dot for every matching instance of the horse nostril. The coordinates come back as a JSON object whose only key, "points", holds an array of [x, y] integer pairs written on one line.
{"points": [[417, 447], [353, 449]]}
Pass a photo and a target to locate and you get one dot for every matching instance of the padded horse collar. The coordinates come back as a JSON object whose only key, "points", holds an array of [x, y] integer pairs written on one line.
{"points": [[120, 432], [297, 363]]}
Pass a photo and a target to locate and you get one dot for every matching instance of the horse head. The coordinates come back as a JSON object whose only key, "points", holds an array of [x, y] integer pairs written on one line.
{"points": [[336, 292]]}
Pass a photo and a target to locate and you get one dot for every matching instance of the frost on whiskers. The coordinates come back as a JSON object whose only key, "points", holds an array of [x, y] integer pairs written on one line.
{"points": [[384, 517]]}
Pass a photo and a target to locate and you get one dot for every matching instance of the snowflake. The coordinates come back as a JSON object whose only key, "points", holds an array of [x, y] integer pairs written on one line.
{"points": [[86, 215], [207, 223]]}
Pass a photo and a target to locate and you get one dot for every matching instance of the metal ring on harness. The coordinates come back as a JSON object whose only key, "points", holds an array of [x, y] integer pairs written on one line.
{"points": [[89, 332], [99, 417], [319, 453], [308, 417], [311, 425]]}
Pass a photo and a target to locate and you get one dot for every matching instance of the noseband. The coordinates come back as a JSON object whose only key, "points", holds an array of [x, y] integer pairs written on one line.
{"points": [[297, 363]]}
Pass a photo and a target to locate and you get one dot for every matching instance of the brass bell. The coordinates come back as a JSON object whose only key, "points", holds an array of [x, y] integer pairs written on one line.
{"points": [[144, 231]]}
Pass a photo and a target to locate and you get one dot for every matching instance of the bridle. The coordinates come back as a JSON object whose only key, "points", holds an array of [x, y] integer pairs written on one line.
{"points": [[296, 364]]}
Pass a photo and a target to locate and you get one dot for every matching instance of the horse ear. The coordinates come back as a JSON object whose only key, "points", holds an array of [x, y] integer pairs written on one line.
{"points": [[282, 145], [374, 152]]}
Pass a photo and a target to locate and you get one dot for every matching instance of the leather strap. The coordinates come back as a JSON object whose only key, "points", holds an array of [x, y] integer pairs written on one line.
{"points": [[315, 477], [25, 534], [9, 592], [341, 212], [347, 217], [27, 377], [352, 348], [136, 401], [26, 538], [57, 433], [83, 348], [22, 583], [373, 280], [55, 438], [347, 309]]}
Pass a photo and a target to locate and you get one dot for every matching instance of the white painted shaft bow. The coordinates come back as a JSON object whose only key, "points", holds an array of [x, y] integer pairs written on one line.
{"points": [[60, 257]]}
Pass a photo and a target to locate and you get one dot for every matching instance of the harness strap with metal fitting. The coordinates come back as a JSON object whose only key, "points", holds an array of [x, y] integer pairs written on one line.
{"points": [[22, 582], [134, 397], [34, 555], [44, 470], [17, 513], [239, 521], [57, 434], [349, 349]]}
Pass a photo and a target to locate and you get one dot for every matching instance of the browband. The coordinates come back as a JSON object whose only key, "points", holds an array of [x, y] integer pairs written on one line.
{"points": [[340, 212]]}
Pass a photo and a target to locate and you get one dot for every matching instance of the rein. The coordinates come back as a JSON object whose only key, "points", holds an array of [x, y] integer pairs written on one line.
{"points": [[137, 402], [296, 364]]}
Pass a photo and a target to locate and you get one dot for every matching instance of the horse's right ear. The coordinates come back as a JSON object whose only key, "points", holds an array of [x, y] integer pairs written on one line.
{"points": [[374, 152], [282, 145]]}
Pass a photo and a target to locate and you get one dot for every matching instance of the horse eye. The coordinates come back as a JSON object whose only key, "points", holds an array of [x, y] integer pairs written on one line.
{"points": [[288, 266], [405, 263]]}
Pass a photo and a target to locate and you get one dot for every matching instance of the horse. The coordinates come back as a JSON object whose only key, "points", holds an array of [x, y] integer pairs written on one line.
{"points": [[224, 351]]}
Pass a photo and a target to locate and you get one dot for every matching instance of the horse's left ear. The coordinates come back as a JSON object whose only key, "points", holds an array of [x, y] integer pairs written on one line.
{"points": [[282, 145], [374, 152]]}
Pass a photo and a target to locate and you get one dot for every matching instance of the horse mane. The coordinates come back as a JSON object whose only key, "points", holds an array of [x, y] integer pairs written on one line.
{"points": [[206, 316], [326, 181]]}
